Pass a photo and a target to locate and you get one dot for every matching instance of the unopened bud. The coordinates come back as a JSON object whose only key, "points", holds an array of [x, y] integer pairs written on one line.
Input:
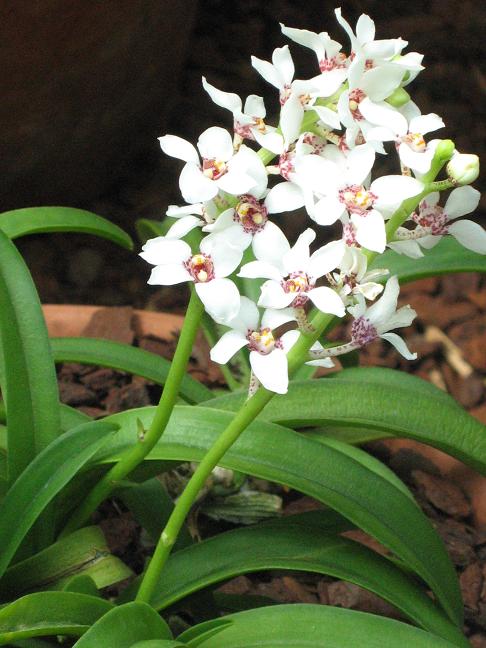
{"points": [[398, 98], [463, 168]]}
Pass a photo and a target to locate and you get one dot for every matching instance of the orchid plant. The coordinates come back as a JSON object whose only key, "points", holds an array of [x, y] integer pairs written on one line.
{"points": [[267, 306]]}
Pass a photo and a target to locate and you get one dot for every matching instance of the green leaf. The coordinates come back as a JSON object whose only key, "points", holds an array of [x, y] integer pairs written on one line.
{"points": [[151, 506], [83, 552], [125, 625], [81, 584], [316, 626], [158, 643], [50, 613], [41, 220], [296, 544], [329, 474], [29, 382], [148, 228], [378, 399], [198, 634], [71, 417], [124, 357], [42, 480], [446, 257]]}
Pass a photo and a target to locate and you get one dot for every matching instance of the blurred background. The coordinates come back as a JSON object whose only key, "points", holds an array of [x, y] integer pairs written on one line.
{"points": [[87, 87]]}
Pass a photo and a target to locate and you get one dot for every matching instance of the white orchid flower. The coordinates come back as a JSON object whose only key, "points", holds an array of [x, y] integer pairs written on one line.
{"points": [[268, 353], [247, 119], [219, 169], [292, 274], [296, 96], [409, 133], [354, 277], [379, 319], [327, 51], [434, 222], [209, 268], [334, 184]]}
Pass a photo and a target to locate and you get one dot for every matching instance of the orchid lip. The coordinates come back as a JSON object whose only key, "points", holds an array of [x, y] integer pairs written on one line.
{"points": [[200, 267]]}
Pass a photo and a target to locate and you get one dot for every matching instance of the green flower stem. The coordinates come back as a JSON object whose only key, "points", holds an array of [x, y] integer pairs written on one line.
{"points": [[137, 453], [249, 411]]}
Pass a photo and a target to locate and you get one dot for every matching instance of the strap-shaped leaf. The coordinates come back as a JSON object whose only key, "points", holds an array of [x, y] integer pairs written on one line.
{"points": [[159, 643], [50, 613], [316, 626], [378, 399], [83, 552], [41, 220], [42, 480], [298, 544], [446, 257], [28, 376], [125, 625], [330, 475], [124, 357]]}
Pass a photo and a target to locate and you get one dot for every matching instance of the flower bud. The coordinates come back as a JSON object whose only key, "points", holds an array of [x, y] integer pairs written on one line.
{"points": [[463, 168], [398, 98]]}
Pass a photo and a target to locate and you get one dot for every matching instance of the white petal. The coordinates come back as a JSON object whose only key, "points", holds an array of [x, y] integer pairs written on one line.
{"points": [[383, 49], [327, 363], [370, 230], [297, 258], [469, 234], [306, 38], [247, 317], [255, 107], [429, 242], [327, 301], [168, 275], [260, 270], [370, 290], [236, 183], [365, 29], [382, 114], [327, 83], [426, 123], [408, 248], [328, 116], [399, 345], [462, 200], [183, 226], [221, 299], [282, 60], [174, 211], [271, 370], [161, 250], [383, 309], [228, 100], [393, 189], [227, 346], [224, 220], [226, 258], [273, 318], [419, 161], [268, 72], [270, 244], [288, 339], [272, 141], [325, 211], [313, 171], [378, 83], [194, 185], [326, 258], [274, 296], [179, 148], [249, 162], [404, 316], [215, 143], [359, 164], [283, 197], [290, 119]]}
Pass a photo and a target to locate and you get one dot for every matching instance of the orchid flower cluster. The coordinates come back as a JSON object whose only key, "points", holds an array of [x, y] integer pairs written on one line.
{"points": [[331, 130]]}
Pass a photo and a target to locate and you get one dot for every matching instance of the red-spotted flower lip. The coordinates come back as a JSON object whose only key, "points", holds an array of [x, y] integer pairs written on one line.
{"points": [[357, 199], [363, 332], [251, 214], [214, 169], [263, 341], [415, 141], [298, 283], [433, 217], [200, 267], [355, 97]]}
